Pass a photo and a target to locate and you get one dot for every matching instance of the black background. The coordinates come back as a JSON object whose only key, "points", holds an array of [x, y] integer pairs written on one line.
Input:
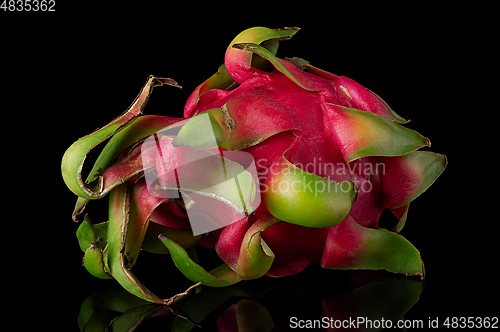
{"points": [[73, 70]]}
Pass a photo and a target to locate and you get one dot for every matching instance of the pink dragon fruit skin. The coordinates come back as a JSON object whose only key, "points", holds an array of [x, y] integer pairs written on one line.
{"points": [[293, 117], [330, 157]]}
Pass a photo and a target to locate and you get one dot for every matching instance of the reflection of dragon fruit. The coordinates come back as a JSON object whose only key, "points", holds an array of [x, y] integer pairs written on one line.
{"points": [[330, 156]]}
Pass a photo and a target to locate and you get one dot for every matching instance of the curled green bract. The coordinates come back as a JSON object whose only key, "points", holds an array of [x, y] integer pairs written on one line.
{"points": [[74, 157], [219, 277], [306, 199]]}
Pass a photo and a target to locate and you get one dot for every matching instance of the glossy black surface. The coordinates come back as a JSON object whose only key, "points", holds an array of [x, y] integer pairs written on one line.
{"points": [[324, 296]]}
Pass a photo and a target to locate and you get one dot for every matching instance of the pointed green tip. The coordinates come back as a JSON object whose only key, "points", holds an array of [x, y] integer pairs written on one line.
{"points": [[264, 53], [204, 131]]}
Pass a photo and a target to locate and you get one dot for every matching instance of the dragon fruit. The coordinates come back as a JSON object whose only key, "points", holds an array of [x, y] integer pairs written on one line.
{"points": [[282, 163]]}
